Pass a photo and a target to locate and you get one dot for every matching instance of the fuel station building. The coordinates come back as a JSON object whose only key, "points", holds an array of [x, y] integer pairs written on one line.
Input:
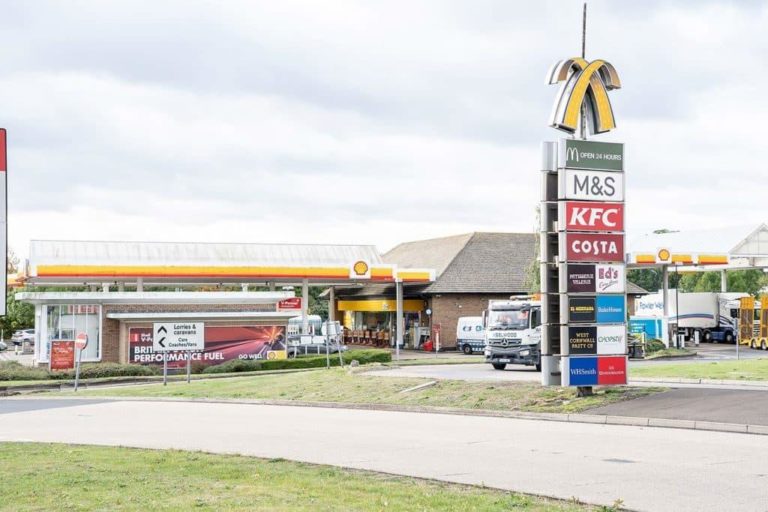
{"points": [[115, 291]]}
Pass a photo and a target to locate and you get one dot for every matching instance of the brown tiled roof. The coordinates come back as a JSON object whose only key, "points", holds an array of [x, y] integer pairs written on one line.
{"points": [[472, 263]]}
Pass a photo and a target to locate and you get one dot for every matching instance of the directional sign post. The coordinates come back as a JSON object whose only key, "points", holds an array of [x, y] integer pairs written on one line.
{"points": [[178, 337]]}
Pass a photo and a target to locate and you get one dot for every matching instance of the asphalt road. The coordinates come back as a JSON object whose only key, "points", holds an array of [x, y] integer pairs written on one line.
{"points": [[648, 468], [719, 405]]}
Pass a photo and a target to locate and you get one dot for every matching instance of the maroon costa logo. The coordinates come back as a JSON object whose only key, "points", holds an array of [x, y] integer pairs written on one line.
{"points": [[594, 247], [587, 216]]}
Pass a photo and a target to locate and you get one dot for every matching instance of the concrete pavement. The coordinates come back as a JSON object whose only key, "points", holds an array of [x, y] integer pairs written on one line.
{"points": [[649, 468]]}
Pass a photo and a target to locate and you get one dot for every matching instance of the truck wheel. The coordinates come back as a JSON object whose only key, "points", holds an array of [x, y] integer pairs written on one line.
{"points": [[752, 345], [499, 366], [706, 336], [467, 349], [728, 337], [762, 345]]}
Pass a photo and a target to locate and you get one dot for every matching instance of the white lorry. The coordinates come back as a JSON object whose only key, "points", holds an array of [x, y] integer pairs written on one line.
{"points": [[513, 333], [707, 313], [470, 334]]}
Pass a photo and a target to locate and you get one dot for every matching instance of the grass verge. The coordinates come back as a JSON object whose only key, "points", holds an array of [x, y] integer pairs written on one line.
{"points": [[750, 369], [66, 477], [337, 385], [668, 353]]}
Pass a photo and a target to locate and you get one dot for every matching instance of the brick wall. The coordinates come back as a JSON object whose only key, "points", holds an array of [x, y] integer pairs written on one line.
{"points": [[447, 308], [110, 335]]}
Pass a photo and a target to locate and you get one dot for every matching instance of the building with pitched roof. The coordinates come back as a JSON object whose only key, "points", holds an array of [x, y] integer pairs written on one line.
{"points": [[470, 269]]}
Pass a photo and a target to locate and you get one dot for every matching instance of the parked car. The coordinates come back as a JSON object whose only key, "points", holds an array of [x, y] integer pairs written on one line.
{"points": [[3, 346], [24, 335]]}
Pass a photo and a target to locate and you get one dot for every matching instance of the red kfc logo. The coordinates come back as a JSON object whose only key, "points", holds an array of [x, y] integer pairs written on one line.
{"points": [[584, 216]]}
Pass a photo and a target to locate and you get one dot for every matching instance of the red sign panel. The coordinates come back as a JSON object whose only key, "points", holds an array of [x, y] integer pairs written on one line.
{"points": [[62, 355], [290, 304], [588, 216], [594, 247], [611, 370]]}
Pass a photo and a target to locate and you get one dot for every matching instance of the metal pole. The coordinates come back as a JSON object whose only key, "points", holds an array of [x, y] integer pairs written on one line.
{"points": [[327, 349], [664, 300], [189, 367], [77, 370], [737, 325], [165, 368], [304, 306], [399, 318], [677, 308]]}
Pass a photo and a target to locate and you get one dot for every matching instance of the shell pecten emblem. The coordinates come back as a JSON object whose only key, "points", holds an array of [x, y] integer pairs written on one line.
{"points": [[361, 270], [663, 255]]}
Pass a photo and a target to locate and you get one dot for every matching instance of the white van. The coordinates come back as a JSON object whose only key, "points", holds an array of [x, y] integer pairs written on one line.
{"points": [[470, 334]]}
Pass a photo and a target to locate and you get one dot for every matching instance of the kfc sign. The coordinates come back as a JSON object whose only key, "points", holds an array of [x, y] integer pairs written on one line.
{"points": [[583, 216], [594, 247]]}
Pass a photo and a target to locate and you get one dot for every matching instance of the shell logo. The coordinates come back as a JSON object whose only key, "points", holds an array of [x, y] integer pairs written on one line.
{"points": [[664, 255], [360, 268]]}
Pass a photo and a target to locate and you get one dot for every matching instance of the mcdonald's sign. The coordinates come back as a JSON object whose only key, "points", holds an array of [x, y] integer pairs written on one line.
{"points": [[583, 83]]}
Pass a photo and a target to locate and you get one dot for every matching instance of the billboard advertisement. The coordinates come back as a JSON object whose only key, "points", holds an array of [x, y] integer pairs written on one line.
{"points": [[611, 309], [612, 339], [611, 278], [611, 370], [593, 216], [222, 343], [62, 355], [581, 310], [596, 371], [596, 247], [592, 185], [581, 278], [587, 154], [582, 340]]}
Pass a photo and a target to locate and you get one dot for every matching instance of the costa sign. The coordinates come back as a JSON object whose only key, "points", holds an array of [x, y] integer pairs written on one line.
{"points": [[594, 247], [592, 185], [583, 216]]}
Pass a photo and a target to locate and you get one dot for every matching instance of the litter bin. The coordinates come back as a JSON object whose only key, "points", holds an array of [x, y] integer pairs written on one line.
{"points": [[427, 346]]}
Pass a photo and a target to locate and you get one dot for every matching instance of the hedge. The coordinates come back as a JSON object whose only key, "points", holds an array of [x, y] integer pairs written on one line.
{"points": [[362, 356], [12, 370]]}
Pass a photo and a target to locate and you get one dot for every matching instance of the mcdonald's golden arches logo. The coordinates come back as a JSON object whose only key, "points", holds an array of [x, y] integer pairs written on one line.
{"points": [[583, 83]]}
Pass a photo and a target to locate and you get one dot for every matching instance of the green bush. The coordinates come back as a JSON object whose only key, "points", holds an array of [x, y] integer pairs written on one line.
{"points": [[653, 345], [362, 356], [12, 370]]}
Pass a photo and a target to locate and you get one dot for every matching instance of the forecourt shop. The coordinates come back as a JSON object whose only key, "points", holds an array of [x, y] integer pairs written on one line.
{"points": [[240, 295]]}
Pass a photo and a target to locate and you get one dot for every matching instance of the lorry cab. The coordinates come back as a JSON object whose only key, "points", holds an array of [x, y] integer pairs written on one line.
{"points": [[513, 333]]}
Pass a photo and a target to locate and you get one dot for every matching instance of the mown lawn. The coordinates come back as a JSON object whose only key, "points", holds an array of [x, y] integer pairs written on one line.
{"points": [[338, 385], [39, 477], [748, 369]]}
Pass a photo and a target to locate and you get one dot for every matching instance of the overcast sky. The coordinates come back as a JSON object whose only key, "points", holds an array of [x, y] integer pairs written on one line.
{"points": [[363, 122]]}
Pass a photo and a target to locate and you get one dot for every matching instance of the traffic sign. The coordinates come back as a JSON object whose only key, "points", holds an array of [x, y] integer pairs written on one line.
{"points": [[171, 337], [81, 341]]}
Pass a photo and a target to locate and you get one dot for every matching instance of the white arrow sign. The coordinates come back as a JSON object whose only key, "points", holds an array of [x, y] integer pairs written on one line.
{"points": [[171, 337]]}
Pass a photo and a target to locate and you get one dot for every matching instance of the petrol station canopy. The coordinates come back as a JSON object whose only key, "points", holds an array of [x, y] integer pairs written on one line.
{"points": [[732, 247], [59, 262]]}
